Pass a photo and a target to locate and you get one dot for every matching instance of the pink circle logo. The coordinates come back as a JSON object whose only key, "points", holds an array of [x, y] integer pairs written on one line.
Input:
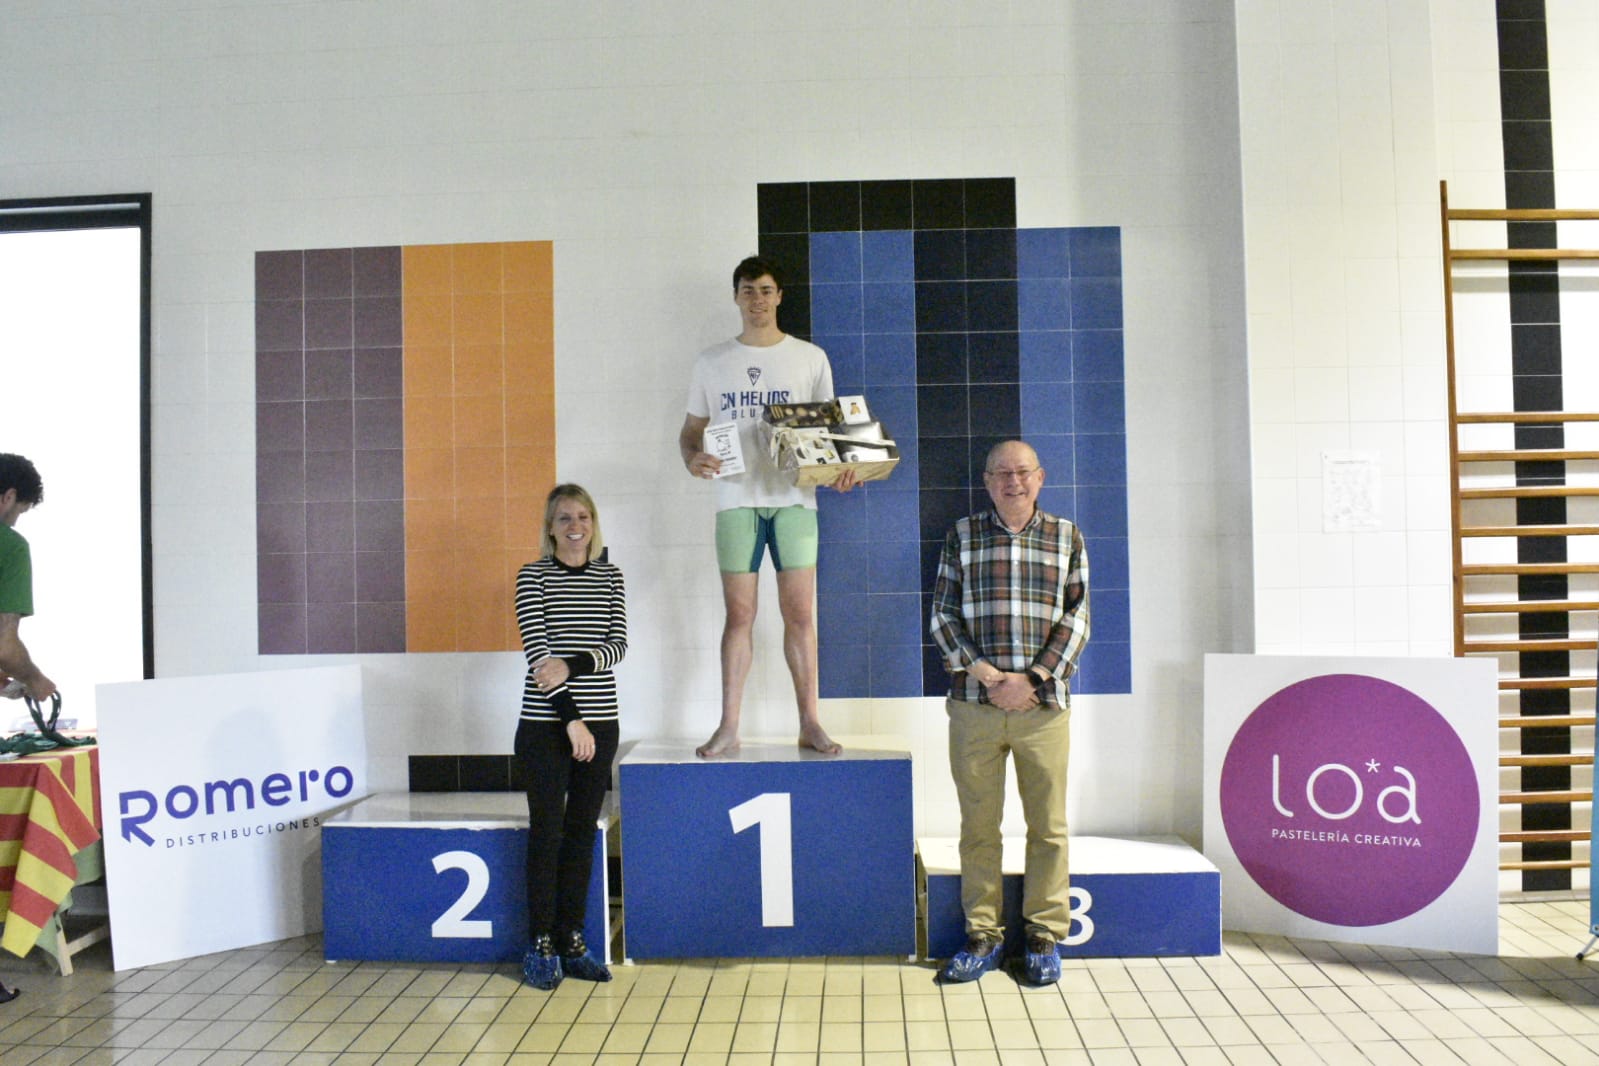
{"points": [[1349, 800]]}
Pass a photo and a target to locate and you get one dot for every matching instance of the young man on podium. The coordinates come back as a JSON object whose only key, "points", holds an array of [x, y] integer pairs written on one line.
{"points": [[760, 510]]}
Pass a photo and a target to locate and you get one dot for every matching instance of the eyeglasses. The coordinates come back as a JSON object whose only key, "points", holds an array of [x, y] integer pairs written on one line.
{"points": [[1006, 475]]}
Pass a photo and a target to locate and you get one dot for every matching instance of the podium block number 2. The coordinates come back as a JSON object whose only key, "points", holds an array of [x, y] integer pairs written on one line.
{"points": [[453, 923], [770, 811]]}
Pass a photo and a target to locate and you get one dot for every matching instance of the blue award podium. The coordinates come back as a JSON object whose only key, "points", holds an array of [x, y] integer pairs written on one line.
{"points": [[439, 877], [1139, 897], [772, 851]]}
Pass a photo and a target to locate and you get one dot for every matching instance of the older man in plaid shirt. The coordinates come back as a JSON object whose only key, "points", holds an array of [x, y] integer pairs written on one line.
{"points": [[1010, 616]]}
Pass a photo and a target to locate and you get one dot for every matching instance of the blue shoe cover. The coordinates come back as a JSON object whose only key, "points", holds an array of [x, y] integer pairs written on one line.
{"points": [[586, 967], [1041, 967], [969, 965], [542, 969]]}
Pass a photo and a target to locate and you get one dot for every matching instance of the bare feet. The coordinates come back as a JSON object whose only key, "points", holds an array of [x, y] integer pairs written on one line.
{"points": [[722, 742], [813, 736]]}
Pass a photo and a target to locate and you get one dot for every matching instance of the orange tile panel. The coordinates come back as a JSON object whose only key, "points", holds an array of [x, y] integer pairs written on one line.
{"points": [[530, 473], [429, 628], [479, 318], [427, 318], [530, 266], [478, 268], [480, 524], [529, 365], [479, 373], [429, 370], [479, 473], [479, 369], [426, 267], [530, 418], [486, 599], [429, 525], [480, 622], [529, 316], [429, 422], [524, 527], [430, 474], [429, 601], [480, 421]]}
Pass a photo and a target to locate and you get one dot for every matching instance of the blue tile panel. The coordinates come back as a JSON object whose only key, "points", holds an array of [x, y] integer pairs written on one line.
{"points": [[962, 331]]}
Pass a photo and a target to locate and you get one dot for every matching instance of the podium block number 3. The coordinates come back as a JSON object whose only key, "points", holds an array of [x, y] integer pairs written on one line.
{"points": [[453, 923], [770, 811]]}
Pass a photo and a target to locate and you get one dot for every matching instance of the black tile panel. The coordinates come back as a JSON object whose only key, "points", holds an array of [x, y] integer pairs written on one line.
{"points": [[434, 773], [940, 255], [794, 313], [1535, 298], [991, 253], [486, 773], [790, 253], [993, 356], [1529, 188], [783, 207], [1536, 347], [940, 508], [1536, 392], [940, 306], [1523, 94], [995, 410], [1529, 142], [1542, 511], [939, 204], [835, 206], [991, 306], [1523, 42], [945, 463], [941, 359], [941, 411], [990, 202], [886, 205]]}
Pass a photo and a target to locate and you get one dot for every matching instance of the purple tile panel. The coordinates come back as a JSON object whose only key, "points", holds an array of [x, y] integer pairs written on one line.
{"points": [[330, 515]]}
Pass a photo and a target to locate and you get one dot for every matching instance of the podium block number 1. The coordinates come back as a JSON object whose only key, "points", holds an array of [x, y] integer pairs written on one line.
{"points": [[770, 811]]}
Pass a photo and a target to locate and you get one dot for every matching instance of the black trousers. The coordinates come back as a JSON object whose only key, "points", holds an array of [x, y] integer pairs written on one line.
{"points": [[563, 804]]}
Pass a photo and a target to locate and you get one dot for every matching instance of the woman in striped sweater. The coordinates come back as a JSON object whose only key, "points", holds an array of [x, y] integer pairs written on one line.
{"points": [[572, 611]]}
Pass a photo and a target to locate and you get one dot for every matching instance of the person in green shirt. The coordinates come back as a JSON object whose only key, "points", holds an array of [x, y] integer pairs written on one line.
{"points": [[20, 490]]}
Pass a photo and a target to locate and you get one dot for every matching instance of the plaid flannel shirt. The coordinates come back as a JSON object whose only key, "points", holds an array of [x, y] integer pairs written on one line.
{"points": [[1017, 600]]}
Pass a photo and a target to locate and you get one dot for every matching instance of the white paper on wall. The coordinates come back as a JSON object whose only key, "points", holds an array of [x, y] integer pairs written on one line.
{"points": [[1351, 492]]}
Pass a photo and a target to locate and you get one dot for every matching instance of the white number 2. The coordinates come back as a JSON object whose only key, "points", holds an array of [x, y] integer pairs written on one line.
{"points": [[1082, 900], [770, 811], [453, 923]]}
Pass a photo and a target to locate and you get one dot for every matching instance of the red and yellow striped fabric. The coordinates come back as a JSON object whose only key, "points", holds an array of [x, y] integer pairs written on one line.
{"points": [[49, 811]]}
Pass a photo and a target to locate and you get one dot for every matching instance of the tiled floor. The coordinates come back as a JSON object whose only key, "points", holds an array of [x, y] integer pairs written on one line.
{"points": [[1266, 999]]}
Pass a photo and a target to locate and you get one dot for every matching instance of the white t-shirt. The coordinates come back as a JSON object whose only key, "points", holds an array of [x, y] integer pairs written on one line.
{"points": [[733, 382]]}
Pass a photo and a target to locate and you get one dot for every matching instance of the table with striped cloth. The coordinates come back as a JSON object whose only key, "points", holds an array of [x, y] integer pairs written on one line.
{"points": [[49, 811]]}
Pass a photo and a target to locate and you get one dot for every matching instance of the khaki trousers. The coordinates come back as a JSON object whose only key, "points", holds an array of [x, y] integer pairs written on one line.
{"points": [[980, 738]]}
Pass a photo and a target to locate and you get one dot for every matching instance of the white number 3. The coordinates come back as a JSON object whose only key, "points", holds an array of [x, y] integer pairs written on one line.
{"points": [[1082, 900]]}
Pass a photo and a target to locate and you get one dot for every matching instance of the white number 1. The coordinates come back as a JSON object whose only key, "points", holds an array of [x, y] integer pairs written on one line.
{"points": [[770, 811]]}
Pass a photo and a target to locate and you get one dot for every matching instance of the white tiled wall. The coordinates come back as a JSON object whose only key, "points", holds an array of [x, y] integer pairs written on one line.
{"points": [[1345, 322], [634, 136]]}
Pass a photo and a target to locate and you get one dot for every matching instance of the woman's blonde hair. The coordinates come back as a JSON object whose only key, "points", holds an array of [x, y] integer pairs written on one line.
{"points": [[580, 495]]}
